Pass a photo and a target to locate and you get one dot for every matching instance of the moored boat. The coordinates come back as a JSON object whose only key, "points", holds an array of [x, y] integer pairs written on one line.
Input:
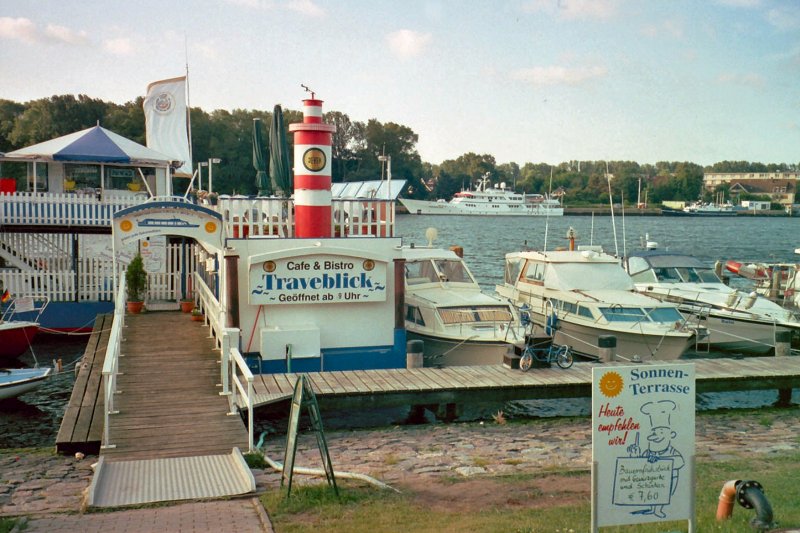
{"points": [[488, 199], [17, 381], [16, 333], [582, 297], [446, 309], [735, 321]]}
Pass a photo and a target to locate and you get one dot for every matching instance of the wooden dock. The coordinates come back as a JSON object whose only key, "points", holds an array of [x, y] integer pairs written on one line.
{"points": [[399, 387], [169, 403]]}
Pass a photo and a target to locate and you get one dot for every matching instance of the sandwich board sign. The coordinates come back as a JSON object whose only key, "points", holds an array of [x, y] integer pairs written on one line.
{"points": [[643, 438]]}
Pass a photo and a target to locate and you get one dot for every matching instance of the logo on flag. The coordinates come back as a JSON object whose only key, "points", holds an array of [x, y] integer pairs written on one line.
{"points": [[166, 121]]}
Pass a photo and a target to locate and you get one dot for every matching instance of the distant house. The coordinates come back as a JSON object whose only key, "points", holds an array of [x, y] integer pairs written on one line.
{"points": [[780, 191], [781, 187]]}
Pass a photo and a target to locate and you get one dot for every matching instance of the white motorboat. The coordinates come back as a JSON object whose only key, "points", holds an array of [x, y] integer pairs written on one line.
{"points": [[446, 309], [17, 381], [735, 321], [581, 296], [488, 199]]}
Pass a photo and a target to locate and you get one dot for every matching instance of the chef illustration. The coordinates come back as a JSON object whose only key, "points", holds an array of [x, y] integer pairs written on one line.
{"points": [[659, 446]]}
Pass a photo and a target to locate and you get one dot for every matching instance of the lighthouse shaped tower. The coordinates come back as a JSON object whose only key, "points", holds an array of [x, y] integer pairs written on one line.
{"points": [[312, 172]]}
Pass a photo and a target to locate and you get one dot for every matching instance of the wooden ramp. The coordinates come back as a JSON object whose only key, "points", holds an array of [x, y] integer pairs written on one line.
{"points": [[81, 427], [171, 419], [399, 387]]}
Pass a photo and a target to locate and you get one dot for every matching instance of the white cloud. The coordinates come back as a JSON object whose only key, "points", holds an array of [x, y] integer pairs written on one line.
{"points": [[62, 34], [754, 81], [406, 44], [556, 75], [669, 28], [251, 4], [306, 7], [121, 46], [18, 29], [784, 18], [574, 9]]}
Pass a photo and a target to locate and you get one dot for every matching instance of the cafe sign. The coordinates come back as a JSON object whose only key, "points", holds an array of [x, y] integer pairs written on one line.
{"points": [[316, 279], [643, 442]]}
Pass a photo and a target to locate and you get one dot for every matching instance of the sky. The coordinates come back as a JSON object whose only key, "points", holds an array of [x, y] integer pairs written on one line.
{"points": [[525, 81]]}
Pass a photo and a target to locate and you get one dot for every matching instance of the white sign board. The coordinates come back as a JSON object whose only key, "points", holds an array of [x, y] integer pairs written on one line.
{"points": [[322, 278], [642, 443]]}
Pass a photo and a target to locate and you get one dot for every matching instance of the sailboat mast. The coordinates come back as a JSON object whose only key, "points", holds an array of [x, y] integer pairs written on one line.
{"points": [[188, 103]]}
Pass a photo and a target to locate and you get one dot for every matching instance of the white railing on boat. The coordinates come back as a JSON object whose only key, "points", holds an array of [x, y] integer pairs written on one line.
{"points": [[241, 379], [111, 363], [63, 209]]}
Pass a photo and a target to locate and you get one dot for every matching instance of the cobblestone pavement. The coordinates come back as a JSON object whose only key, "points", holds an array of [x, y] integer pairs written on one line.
{"points": [[48, 489]]}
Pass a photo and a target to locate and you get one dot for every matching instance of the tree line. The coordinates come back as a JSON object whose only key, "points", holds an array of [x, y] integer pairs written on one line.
{"points": [[358, 150]]}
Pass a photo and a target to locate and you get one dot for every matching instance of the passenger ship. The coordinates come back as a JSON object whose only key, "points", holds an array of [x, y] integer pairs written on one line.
{"points": [[488, 199]]}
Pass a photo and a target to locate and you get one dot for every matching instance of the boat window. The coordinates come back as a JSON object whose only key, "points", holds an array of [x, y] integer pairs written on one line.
{"points": [[413, 315], [418, 272], [453, 271], [623, 314], [513, 267], [646, 276], [585, 311], [569, 307], [534, 271], [664, 314], [478, 313], [707, 275], [667, 275], [636, 265], [688, 275]]}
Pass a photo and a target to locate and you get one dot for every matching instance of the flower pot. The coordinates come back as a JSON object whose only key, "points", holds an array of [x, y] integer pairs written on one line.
{"points": [[135, 307], [187, 306], [197, 318]]}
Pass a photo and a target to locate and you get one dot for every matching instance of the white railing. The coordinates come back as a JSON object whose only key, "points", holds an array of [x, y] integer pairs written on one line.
{"points": [[241, 379], [274, 217], [111, 363], [64, 209], [211, 308]]}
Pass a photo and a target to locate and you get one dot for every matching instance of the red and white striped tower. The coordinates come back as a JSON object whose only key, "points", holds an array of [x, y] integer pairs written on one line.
{"points": [[312, 172]]}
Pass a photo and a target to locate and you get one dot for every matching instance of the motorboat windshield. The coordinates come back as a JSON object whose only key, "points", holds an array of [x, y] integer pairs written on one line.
{"points": [[436, 270], [670, 269]]}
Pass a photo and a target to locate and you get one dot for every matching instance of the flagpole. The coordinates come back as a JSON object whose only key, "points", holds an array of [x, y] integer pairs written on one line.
{"points": [[188, 103]]}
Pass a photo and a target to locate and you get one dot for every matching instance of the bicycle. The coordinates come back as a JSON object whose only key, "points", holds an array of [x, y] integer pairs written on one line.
{"points": [[562, 355]]}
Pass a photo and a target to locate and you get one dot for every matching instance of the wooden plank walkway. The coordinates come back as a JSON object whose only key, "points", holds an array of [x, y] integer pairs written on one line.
{"points": [[81, 427], [399, 387], [169, 403]]}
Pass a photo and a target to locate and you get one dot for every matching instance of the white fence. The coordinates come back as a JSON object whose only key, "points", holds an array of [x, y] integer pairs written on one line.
{"points": [[111, 363], [63, 209], [241, 378]]}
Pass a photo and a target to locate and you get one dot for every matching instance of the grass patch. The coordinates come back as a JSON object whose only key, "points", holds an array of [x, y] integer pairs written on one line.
{"points": [[366, 509], [7, 524], [255, 460]]}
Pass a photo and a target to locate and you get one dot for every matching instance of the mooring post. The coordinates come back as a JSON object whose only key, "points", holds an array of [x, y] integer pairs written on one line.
{"points": [[606, 346], [783, 347], [414, 353]]}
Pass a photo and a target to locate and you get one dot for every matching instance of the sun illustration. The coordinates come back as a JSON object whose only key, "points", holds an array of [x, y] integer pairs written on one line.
{"points": [[211, 227], [126, 225], [611, 384]]}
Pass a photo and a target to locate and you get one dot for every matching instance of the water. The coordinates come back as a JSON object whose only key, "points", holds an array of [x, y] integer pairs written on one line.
{"points": [[33, 419]]}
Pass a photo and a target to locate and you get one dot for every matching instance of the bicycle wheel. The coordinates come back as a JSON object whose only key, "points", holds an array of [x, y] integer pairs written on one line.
{"points": [[526, 360], [564, 357]]}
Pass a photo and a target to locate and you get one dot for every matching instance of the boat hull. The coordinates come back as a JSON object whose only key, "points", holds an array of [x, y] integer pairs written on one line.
{"points": [[680, 213], [15, 339], [16, 382], [733, 335], [438, 351], [420, 207]]}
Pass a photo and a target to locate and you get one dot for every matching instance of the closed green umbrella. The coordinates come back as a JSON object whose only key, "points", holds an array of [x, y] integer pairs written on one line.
{"points": [[260, 160], [279, 170]]}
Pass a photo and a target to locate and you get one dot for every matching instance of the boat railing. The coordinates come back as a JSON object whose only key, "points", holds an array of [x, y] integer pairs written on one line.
{"points": [[274, 217], [64, 209], [111, 362], [241, 379]]}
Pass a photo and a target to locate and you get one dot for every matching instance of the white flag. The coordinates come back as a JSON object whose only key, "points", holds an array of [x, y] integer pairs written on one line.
{"points": [[165, 121]]}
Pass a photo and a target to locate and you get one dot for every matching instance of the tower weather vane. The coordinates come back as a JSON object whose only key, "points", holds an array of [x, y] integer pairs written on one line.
{"points": [[308, 90]]}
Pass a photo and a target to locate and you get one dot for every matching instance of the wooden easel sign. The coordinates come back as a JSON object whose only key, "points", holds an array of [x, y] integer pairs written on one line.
{"points": [[304, 397]]}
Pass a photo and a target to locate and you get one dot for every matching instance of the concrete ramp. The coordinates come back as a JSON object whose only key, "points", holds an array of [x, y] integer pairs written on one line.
{"points": [[120, 483]]}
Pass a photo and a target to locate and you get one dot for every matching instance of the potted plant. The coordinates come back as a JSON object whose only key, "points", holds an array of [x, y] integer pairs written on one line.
{"points": [[136, 282], [197, 314], [187, 304]]}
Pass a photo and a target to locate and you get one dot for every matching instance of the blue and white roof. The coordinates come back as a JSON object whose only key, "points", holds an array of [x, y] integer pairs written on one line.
{"points": [[94, 145]]}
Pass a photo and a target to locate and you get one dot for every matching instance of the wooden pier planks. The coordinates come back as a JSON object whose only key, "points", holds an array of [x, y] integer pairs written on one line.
{"points": [[81, 428], [397, 387]]}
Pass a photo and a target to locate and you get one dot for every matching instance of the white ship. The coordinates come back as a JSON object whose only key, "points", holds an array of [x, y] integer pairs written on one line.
{"points": [[488, 199]]}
